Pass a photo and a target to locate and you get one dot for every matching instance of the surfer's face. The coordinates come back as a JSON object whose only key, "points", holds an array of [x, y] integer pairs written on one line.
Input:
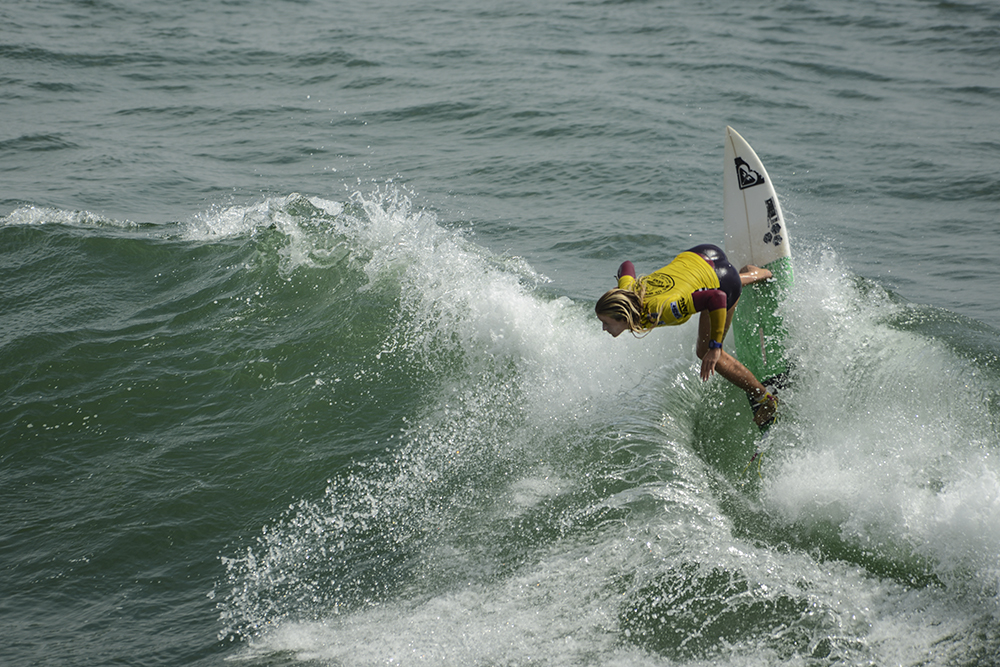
{"points": [[613, 326]]}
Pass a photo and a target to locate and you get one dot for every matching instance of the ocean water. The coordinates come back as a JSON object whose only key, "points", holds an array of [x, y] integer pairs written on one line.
{"points": [[299, 365]]}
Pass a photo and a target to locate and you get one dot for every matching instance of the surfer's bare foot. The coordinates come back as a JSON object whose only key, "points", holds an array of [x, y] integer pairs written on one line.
{"points": [[764, 411], [751, 274]]}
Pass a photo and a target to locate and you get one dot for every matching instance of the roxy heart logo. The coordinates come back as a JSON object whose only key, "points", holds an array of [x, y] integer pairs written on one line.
{"points": [[747, 176]]}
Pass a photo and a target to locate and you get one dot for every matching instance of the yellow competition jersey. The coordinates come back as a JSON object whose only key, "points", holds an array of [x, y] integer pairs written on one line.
{"points": [[668, 299]]}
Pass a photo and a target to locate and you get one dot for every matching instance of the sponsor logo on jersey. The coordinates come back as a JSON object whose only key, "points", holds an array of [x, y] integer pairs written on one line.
{"points": [[659, 282]]}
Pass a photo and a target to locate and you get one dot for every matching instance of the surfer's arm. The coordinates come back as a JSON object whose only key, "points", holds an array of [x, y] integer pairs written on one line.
{"points": [[626, 275], [714, 301]]}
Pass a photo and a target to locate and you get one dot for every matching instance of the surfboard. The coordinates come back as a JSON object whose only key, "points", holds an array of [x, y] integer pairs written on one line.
{"points": [[756, 234]]}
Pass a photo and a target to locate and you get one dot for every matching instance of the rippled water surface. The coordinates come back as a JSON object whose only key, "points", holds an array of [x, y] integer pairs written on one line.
{"points": [[300, 366]]}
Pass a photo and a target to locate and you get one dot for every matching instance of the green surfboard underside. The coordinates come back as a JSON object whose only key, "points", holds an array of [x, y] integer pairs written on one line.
{"points": [[759, 332]]}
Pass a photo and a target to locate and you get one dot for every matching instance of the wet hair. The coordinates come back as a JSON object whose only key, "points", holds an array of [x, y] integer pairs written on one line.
{"points": [[622, 305]]}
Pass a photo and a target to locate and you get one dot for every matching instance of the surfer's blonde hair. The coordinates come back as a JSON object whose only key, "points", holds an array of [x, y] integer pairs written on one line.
{"points": [[625, 306]]}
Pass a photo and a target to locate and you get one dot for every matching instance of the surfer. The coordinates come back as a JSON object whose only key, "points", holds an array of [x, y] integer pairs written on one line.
{"points": [[699, 280]]}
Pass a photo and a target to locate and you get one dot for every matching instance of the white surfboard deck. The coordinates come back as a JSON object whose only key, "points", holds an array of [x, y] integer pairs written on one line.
{"points": [[756, 234]]}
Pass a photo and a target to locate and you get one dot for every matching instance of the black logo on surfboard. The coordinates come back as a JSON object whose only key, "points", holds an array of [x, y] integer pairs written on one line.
{"points": [[746, 176], [773, 234]]}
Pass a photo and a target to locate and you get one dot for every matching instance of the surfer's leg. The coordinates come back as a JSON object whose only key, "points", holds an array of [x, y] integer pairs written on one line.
{"points": [[730, 368]]}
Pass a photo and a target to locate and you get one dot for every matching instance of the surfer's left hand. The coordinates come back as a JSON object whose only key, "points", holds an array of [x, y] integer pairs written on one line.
{"points": [[709, 361]]}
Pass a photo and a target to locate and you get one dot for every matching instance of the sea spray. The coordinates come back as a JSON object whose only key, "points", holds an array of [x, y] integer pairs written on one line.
{"points": [[539, 452], [505, 377], [892, 452]]}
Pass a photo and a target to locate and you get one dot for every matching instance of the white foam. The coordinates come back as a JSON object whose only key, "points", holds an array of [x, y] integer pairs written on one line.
{"points": [[879, 450], [42, 215], [887, 448]]}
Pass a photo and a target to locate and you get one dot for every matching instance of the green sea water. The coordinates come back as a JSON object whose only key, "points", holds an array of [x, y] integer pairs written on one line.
{"points": [[299, 362]]}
